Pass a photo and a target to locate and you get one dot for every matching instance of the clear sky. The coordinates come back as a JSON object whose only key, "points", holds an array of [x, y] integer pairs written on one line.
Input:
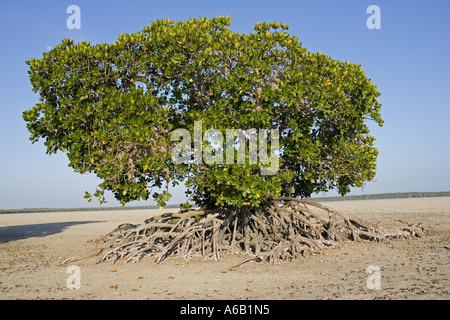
{"points": [[408, 59]]}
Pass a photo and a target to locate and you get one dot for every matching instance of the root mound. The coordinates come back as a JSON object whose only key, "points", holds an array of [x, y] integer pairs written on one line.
{"points": [[272, 233]]}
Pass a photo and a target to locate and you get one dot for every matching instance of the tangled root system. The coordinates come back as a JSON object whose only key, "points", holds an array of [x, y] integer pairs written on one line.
{"points": [[282, 229]]}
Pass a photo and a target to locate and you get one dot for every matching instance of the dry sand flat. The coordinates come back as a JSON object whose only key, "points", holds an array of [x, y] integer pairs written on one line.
{"points": [[33, 244]]}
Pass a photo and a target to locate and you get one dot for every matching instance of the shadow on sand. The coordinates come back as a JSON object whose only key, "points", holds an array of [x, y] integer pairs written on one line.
{"points": [[12, 233]]}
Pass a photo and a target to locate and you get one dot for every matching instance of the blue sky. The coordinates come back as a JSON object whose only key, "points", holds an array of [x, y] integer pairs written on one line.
{"points": [[408, 59]]}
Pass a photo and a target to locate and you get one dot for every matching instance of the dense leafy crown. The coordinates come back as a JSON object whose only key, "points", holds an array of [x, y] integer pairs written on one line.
{"points": [[112, 109]]}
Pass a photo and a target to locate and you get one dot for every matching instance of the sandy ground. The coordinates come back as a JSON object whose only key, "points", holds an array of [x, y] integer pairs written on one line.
{"points": [[32, 245]]}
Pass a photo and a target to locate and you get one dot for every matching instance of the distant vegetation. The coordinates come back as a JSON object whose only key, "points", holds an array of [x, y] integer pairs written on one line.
{"points": [[319, 199], [28, 210], [386, 196]]}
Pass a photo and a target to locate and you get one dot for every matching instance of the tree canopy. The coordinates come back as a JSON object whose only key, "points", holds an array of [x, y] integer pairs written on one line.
{"points": [[112, 108]]}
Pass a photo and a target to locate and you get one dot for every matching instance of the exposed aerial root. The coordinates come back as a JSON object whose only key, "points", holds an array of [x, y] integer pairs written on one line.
{"points": [[272, 233]]}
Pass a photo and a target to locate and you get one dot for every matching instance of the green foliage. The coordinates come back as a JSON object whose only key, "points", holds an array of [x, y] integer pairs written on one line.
{"points": [[112, 108]]}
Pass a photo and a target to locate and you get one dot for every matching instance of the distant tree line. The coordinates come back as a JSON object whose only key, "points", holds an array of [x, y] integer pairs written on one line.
{"points": [[397, 195], [31, 210]]}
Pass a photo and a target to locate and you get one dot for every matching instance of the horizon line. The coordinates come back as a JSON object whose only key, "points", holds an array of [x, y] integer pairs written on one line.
{"points": [[374, 196]]}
